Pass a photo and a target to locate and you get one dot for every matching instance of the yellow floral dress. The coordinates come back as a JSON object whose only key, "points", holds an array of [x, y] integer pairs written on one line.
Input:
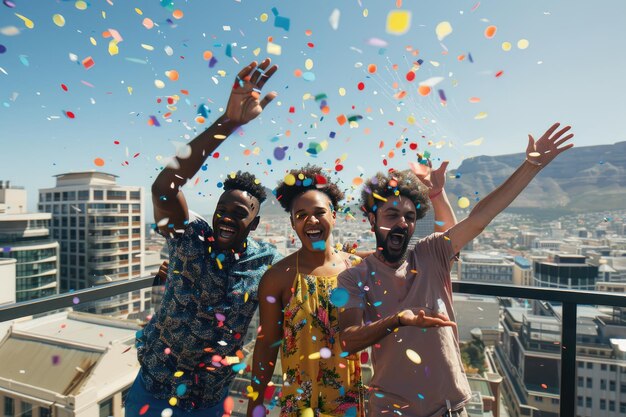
{"points": [[320, 379]]}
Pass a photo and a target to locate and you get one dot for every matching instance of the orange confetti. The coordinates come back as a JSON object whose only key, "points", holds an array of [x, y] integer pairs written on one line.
{"points": [[424, 90], [99, 162], [177, 14], [325, 110], [172, 75], [341, 119], [474, 100], [490, 32], [200, 119], [297, 73], [357, 181], [461, 57], [308, 32], [371, 68], [207, 55]]}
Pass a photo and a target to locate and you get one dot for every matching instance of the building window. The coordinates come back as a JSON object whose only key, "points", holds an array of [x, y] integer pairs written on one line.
{"points": [[98, 194], [580, 364], [611, 405], [116, 195], [588, 403], [622, 407], [602, 404], [589, 383], [44, 412], [134, 195], [580, 401], [106, 408], [589, 365], [613, 368], [9, 407], [27, 409], [603, 384], [603, 367], [611, 385]]}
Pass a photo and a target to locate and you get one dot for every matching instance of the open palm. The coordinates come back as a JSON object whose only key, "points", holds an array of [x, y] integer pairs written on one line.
{"points": [[548, 146], [245, 103], [435, 180]]}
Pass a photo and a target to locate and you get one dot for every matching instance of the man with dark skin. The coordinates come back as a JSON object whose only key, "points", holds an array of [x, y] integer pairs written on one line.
{"points": [[420, 372], [188, 349]]}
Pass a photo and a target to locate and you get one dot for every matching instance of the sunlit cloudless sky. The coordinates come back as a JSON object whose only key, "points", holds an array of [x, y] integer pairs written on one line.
{"points": [[571, 71]]}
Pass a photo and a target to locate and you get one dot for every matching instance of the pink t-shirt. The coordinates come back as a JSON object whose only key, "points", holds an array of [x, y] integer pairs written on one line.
{"points": [[414, 388]]}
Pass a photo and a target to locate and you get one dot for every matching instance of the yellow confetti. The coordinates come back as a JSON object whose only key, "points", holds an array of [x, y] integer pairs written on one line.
{"points": [[413, 356], [506, 46], [27, 22], [463, 202], [80, 5], [366, 12], [138, 11], [219, 263], [58, 20], [93, 41], [289, 179], [314, 356], [523, 43], [113, 49], [159, 84], [220, 137], [273, 48], [147, 47], [263, 17], [480, 115], [308, 64], [398, 22], [475, 142], [173, 401], [307, 412], [342, 91], [130, 90], [245, 297], [257, 51], [379, 197], [178, 374], [443, 29]]}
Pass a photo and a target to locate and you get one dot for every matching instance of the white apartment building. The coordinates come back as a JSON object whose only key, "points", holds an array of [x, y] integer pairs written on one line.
{"points": [[67, 365], [100, 226], [7, 281], [25, 237], [485, 267]]}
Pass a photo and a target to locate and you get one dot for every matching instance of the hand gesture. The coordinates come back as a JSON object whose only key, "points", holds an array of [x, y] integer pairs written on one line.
{"points": [[544, 150], [408, 318], [244, 104], [435, 180]]}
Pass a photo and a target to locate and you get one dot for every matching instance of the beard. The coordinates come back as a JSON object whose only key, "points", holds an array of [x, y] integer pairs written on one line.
{"points": [[392, 255]]}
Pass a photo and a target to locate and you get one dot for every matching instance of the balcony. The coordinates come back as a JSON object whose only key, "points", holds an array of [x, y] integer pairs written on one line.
{"points": [[562, 390]]}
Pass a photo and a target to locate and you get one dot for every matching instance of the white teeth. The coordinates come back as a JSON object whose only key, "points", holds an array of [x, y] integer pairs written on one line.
{"points": [[313, 232], [227, 229]]}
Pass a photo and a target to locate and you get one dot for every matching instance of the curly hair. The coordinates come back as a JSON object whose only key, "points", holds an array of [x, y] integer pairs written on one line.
{"points": [[245, 181], [404, 183], [298, 181]]}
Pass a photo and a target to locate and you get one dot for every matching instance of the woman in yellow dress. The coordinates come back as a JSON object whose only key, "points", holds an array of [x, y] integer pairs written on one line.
{"points": [[297, 313]]}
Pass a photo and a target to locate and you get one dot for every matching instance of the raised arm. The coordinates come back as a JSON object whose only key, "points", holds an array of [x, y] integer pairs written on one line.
{"points": [[244, 104], [269, 338], [435, 180], [538, 155]]}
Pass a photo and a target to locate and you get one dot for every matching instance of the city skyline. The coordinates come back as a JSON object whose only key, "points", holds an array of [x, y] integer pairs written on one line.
{"points": [[60, 114]]}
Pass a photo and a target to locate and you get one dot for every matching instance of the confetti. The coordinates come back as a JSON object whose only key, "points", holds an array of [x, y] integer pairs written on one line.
{"points": [[463, 202], [334, 19], [413, 356], [58, 20], [481, 115], [398, 22], [442, 30], [273, 48], [99, 162], [88, 62], [27, 22], [339, 297], [490, 31], [475, 142], [506, 46], [523, 43], [80, 5]]}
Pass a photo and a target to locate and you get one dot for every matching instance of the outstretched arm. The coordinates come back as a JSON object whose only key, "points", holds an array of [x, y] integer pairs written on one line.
{"points": [[244, 104], [435, 180], [538, 155], [268, 340], [356, 336]]}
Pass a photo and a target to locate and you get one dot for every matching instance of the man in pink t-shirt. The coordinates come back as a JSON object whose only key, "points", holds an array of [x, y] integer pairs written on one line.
{"points": [[418, 371]]}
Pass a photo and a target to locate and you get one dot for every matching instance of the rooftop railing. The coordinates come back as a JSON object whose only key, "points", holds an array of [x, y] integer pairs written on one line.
{"points": [[569, 299]]}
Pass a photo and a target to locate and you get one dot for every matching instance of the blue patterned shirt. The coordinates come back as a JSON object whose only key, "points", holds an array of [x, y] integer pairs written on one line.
{"points": [[209, 301]]}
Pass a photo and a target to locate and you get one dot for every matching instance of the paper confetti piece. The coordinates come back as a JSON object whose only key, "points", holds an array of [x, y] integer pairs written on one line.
{"points": [[339, 297], [523, 43], [99, 162], [442, 30], [463, 202], [398, 22], [88, 62], [476, 142], [58, 20], [80, 5], [334, 19], [490, 31], [480, 115], [506, 46], [27, 22], [273, 48], [413, 356]]}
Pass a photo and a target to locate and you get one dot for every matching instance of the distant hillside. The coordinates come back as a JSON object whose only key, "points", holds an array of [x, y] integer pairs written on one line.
{"points": [[590, 178], [271, 206]]}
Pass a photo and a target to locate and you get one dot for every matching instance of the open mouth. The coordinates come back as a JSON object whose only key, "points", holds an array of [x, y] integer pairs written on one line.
{"points": [[226, 232], [314, 234], [397, 239]]}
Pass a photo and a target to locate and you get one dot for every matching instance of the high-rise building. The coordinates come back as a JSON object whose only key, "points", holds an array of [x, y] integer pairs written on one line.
{"points": [[484, 267], [565, 271], [522, 271], [100, 226], [25, 237], [7, 280], [423, 227]]}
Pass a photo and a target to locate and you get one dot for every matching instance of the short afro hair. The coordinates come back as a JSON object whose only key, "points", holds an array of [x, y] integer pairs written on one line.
{"points": [[404, 183], [298, 181], [245, 181]]}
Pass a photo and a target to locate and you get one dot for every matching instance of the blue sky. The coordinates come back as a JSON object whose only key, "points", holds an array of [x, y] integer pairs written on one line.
{"points": [[570, 72]]}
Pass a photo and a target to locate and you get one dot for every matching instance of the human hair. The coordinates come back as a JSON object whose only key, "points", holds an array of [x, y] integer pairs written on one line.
{"points": [[245, 181], [403, 183], [298, 181]]}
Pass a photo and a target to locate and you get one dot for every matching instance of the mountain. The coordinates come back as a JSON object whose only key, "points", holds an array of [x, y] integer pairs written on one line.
{"points": [[589, 178], [271, 206]]}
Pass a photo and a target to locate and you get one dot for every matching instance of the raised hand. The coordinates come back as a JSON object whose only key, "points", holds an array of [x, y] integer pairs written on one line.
{"points": [[548, 146], [244, 103], [435, 180], [408, 318]]}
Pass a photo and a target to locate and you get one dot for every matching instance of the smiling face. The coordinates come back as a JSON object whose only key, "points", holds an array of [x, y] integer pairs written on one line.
{"points": [[313, 219], [394, 224], [235, 217]]}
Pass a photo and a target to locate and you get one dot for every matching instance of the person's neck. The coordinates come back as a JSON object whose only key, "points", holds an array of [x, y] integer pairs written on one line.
{"points": [[379, 255], [317, 257]]}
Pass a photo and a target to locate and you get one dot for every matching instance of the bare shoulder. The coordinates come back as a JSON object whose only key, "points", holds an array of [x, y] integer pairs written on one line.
{"points": [[281, 273]]}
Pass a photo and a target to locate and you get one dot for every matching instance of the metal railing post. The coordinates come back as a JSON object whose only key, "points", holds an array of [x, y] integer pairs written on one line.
{"points": [[568, 361]]}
